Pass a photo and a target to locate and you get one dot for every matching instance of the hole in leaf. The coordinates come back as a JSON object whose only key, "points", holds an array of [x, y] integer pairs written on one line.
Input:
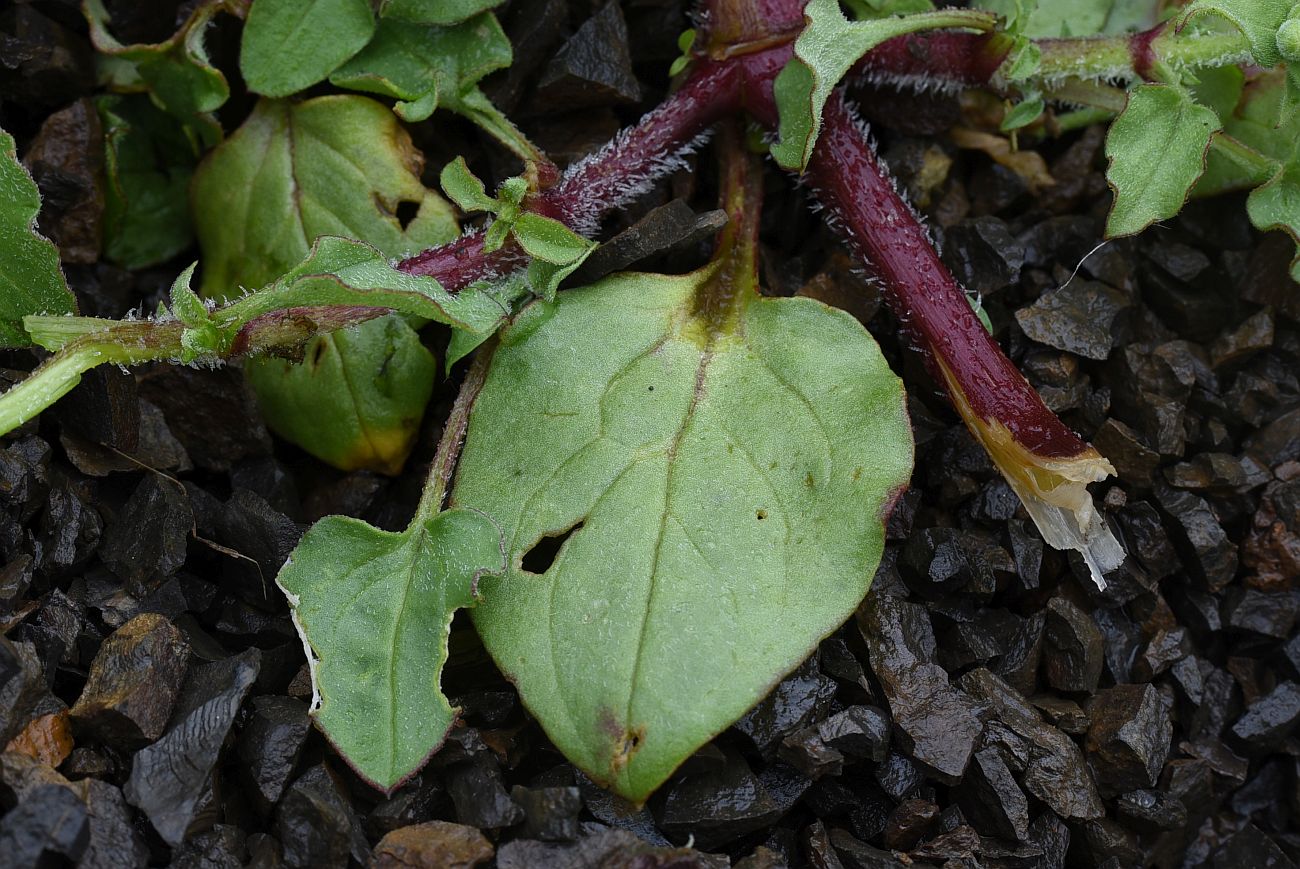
{"points": [[406, 212], [761, 515], [541, 556]]}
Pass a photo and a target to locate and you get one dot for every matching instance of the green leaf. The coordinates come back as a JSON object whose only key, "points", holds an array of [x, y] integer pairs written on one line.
{"points": [[1256, 115], [374, 609], [289, 45], [1156, 149], [1023, 113], [1259, 20], [828, 46], [357, 397], [344, 272], [507, 292], [334, 165], [148, 162], [295, 171], [424, 67], [464, 188], [550, 240], [1276, 205], [435, 11], [31, 281], [1055, 18], [177, 72], [634, 420]]}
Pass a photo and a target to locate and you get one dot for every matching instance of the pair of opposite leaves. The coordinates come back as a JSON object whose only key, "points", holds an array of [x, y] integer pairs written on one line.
{"points": [[723, 481]]}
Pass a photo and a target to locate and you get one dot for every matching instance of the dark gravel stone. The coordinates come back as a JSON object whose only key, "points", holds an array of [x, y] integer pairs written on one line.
{"points": [[115, 842], [664, 229], [47, 826], [1254, 334], [990, 797], [550, 814], [1076, 318], [22, 687], [1270, 719], [1164, 651], [938, 724], [133, 683], [145, 543], [614, 811], [603, 848], [434, 843], [593, 68], [66, 159], [211, 411], [982, 253], [269, 746], [222, 847], [1149, 811], [1053, 767], [717, 804], [1052, 837], [169, 778], [1134, 461], [1128, 741], [42, 63], [1270, 615], [799, 699], [480, 797], [1197, 532], [855, 854], [1106, 844], [911, 821], [316, 824], [1073, 654], [1251, 847]]}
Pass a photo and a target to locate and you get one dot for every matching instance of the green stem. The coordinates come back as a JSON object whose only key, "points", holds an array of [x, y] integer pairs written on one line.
{"points": [[1080, 118], [126, 344], [479, 109], [1258, 167], [1122, 57], [453, 435]]}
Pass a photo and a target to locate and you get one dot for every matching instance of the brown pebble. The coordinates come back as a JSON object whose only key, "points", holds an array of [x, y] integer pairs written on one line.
{"points": [[434, 844]]}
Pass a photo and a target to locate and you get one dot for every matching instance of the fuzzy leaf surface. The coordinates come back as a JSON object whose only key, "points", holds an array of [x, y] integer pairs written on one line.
{"points": [[31, 281], [708, 550], [424, 67], [375, 608], [148, 162], [435, 11], [1259, 20], [289, 45], [828, 46], [1156, 149]]}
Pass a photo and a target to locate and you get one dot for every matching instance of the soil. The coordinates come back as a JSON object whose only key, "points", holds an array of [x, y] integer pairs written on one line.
{"points": [[986, 706]]}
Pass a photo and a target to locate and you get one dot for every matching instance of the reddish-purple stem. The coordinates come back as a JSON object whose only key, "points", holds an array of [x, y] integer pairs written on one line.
{"points": [[602, 182], [884, 232]]}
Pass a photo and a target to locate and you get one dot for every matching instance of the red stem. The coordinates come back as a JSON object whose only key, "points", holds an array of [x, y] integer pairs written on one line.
{"points": [[606, 180], [884, 232]]}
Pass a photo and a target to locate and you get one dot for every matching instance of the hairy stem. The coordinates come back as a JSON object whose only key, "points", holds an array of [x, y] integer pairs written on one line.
{"points": [[453, 436], [611, 177]]}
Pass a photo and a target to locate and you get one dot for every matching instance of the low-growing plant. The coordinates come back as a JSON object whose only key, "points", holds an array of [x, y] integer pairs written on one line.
{"points": [[708, 470]]}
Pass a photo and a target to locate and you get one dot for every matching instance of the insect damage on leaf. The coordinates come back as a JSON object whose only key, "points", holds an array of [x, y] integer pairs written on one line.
{"points": [[691, 525], [373, 609]]}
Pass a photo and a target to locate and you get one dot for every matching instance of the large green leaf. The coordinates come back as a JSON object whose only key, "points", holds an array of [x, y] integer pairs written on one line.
{"points": [[289, 45], [374, 608], [828, 46], [176, 72], [435, 11], [722, 482], [1156, 149], [1256, 115], [31, 281], [427, 66], [335, 165], [148, 162]]}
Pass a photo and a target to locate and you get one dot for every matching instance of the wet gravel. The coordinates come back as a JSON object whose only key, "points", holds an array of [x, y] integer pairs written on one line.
{"points": [[985, 707]]}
